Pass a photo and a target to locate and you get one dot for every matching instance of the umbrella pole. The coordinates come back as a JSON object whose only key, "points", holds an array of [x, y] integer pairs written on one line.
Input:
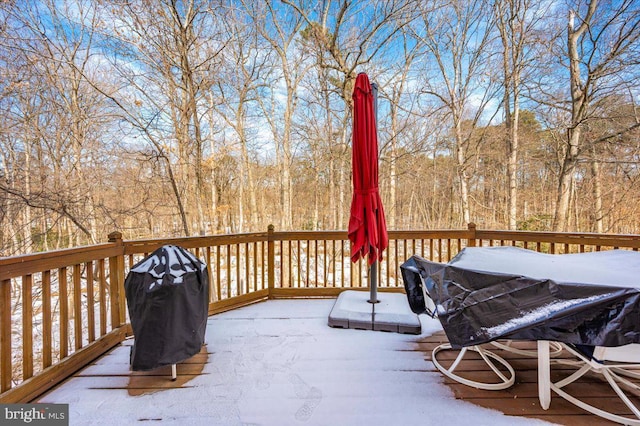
{"points": [[373, 270], [373, 283]]}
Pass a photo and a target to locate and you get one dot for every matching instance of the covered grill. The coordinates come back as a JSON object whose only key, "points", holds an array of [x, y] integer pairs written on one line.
{"points": [[168, 297]]}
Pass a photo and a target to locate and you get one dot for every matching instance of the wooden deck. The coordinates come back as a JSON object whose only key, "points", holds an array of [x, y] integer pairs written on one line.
{"points": [[278, 363], [522, 398]]}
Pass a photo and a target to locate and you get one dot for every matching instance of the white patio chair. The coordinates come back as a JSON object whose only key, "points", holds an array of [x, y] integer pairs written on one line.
{"points": [[617, 365], [504, 377]]}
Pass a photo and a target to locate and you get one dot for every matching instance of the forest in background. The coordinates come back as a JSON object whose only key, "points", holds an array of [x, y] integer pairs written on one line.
{"points": [[178, 118]]}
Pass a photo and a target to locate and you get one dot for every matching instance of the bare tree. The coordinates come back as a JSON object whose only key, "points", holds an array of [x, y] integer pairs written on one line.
{"points": [[243, 76], [281, 30], [358, 32], [160, 54], [398, 86], [602, 48], [60, 116], [517, 22], [456, 37]]}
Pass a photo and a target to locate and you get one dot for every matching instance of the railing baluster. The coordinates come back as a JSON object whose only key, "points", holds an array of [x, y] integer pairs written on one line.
{"points": [[207, 259], [238, 275], [77, 307], [46, 319], [27, 327], [395, 253], [342, 267], [307, 282], [228, 274], [218, 273], [316, 263], [325, 269], [286, 281], [91, 320], [388, 262], [255, 266], [64, 312], [263, 262], [247, 268], [333, 263], [6, 369], [102, 283], [298, 265]]}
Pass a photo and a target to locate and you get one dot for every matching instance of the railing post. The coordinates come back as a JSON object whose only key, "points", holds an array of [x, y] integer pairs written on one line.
{"points": [[5, 336], [271, 260], [471, 240], [116, 281]]}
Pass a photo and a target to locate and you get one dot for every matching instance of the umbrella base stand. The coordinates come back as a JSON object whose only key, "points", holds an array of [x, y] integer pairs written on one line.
{"points": [[392, 313]]}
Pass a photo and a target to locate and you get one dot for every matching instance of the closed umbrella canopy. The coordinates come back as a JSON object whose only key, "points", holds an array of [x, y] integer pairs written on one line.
{"points": [[367, 225]]}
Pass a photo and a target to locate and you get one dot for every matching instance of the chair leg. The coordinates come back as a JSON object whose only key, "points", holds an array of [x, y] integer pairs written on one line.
{"points": [[544, 374], [488, 357], [597, 411], [574, 376], [174, 372], [613, 377], [555, 348], [613, 381]]}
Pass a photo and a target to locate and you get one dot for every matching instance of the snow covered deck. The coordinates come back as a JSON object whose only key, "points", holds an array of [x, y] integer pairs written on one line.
{"points": [[278, 363]]}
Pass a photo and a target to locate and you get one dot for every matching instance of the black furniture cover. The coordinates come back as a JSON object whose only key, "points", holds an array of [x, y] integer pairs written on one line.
{"points": [[168, 299], [489, 293]]}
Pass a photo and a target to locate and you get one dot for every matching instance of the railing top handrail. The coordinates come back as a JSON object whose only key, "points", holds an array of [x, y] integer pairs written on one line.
{"points": [[14, 266], [342, 234], [309, 235], [54, 253], [148, 245], [586, 238]]}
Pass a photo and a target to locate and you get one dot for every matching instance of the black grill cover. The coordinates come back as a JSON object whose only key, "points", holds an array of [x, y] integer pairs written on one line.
{"points": [[489, 293], [168, 297]]}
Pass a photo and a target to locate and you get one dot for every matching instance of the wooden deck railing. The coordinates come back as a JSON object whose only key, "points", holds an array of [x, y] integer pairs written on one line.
{"points": [[60, 310]]}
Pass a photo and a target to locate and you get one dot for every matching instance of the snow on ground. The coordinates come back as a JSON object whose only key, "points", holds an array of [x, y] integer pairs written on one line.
{"points": [[278, 363]]}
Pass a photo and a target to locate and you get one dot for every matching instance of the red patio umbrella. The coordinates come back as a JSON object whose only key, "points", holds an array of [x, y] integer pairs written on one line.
{"points": [[367, 225]]}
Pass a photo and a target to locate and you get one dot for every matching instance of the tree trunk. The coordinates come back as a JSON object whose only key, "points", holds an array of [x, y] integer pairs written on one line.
{"points": [[390, 213], [463, 179], [285, 164], [597, 196], [579, 105], [28, 225], [344, 184], [512, 167], [567, 173], [247, 174]]}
